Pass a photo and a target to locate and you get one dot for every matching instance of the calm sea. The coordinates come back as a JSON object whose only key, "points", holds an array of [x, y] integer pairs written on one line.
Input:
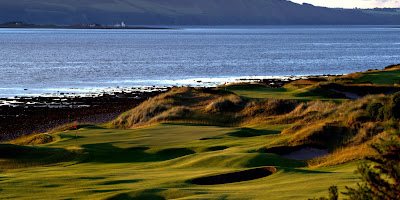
{"points": [[46, 60]]}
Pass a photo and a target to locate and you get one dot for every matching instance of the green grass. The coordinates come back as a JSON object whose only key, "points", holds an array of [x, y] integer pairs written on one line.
{"points": [[380, 77], [158, 162], [287, 92]]}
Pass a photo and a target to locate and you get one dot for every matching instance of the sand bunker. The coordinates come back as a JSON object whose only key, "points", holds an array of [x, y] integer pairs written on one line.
{"points": [[246, 175]]}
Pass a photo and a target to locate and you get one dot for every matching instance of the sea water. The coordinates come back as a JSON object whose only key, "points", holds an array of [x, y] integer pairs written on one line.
{"points": [[35, 61]]}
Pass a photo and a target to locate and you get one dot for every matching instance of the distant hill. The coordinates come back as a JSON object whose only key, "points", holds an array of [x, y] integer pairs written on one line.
{"points": [[186, 12]]}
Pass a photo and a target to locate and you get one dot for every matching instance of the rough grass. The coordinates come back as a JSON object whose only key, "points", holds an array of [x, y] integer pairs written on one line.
{"points": [[268, 107], [179, 105], [230, 103], [35, 139]]}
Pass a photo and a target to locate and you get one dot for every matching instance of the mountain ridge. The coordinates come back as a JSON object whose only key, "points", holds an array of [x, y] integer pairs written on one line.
{"points": [[187, 12]]}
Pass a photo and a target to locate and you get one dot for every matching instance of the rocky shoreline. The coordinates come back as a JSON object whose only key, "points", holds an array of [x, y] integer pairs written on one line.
{"points": [[26, 115]]}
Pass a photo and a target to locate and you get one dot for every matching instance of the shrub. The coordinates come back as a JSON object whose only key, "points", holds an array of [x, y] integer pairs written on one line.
{"points": [[230, 103], [373, 110], [367, 131], [269, 107], [357, 117], [385, 113], [396, 98], [381, 180], [34, 139], [396, 111]]}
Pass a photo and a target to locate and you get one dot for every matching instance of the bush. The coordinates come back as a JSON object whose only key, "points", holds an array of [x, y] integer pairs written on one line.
{"points": [[269, 107], [396, 111], [381, 179], [229, 103], [385, 113], [373, 110], [396, 98]]}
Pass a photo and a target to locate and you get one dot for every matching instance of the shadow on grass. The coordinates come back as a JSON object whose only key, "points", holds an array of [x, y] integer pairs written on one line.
{"points": [[15, 156], [104, 191], [91, 178], [94, 127], [107, 153], [64, 136], [249, 132], [51, 186], [212, 138], [121, 182], [304, 171], [265, 159], [284, 150], [216, 148], [151, 194], [255, 87]]}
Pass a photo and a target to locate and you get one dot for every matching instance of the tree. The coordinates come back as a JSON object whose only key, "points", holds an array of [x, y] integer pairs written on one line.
{"points": [[380, 177]]}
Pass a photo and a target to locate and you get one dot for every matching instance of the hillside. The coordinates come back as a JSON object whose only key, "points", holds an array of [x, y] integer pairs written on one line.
{"points": [[240, 141], [185, 12]]}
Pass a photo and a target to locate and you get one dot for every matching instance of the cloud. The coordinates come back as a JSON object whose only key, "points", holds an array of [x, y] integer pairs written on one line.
{"points": [[385, 3], [353, 3]]}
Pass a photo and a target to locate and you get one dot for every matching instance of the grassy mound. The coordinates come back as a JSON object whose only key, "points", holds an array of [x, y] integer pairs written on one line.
{"points": [[15, 157], [181, 105], [388, 76], [35, 139]]}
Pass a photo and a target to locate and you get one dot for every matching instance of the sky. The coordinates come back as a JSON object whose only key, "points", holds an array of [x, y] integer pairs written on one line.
{"points": [[353, 3]]}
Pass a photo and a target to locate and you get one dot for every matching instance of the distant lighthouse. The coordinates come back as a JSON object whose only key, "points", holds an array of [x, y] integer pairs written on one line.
{"points": [[123, 24]]}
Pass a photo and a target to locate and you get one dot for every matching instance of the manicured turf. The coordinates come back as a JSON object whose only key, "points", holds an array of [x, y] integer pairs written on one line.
{"points": [[286, 92], [159, 162], [380, 77]]}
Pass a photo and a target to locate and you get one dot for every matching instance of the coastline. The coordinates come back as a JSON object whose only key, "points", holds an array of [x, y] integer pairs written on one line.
{"points": [[82, 27], [27, 115], [273, 81], [42, 112]]}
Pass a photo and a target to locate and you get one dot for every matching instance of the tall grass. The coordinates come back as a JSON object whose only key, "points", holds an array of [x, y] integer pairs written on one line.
{"points": [[35, 139], [182, 105], [230, 103]]}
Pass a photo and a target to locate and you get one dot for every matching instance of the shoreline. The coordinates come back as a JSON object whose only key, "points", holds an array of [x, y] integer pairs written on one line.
{"points": [[32, 114], [26, 115], [273, 81], [83, 27]]}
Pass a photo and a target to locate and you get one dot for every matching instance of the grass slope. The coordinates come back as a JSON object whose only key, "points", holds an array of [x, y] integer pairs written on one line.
{"points": [[158, 162]]}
